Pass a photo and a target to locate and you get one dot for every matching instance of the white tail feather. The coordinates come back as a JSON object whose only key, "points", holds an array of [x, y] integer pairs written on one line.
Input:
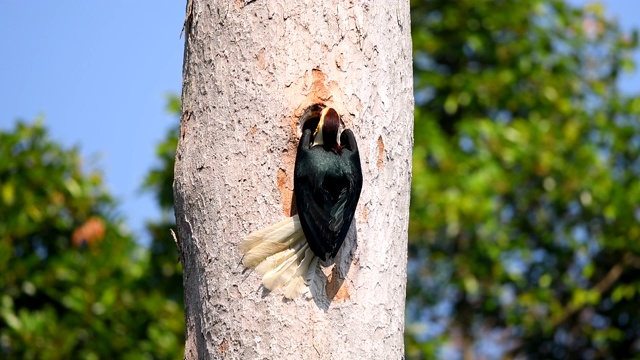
{"points": [[261, 244], [297, 285], [281, 254], [256, 237], [280, 275]]}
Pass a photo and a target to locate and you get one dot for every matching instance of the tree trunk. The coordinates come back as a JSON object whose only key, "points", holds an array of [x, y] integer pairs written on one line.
{"points": [[250, 70]]}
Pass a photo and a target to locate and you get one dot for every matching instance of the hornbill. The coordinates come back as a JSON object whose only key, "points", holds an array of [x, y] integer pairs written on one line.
{"points": [[327, 183]]}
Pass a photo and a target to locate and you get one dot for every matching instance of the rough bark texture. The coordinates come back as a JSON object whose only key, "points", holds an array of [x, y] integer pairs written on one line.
{"points": [[251, 68]]}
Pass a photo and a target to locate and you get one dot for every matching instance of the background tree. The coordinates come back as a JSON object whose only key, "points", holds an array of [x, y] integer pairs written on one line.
{"points": [[74, 284], [524, 223], [250, 71]]}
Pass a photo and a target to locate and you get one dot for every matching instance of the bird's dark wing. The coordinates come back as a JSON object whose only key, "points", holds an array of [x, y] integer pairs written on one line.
{"points": [[323, 216], [305, 142], [313, 203], [348, 140], [346, 206], [323, 231], [327, 185]]}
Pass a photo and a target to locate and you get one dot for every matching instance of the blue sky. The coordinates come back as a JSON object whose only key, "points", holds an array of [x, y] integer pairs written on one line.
{"points": [[626, 13], [99, 72]]}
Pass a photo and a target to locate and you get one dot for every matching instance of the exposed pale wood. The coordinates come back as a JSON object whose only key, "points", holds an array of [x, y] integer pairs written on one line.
{"points": [[251, 68]]}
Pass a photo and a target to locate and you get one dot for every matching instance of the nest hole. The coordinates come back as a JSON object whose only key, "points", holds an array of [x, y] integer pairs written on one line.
{"points": [[310, 117]]}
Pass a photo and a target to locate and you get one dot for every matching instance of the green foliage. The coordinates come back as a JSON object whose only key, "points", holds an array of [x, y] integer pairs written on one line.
{"points": [[73, 284], [524, 217]]}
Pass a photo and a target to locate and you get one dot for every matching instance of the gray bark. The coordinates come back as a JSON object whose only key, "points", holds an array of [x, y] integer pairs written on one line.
{"points": [[250, 70]]}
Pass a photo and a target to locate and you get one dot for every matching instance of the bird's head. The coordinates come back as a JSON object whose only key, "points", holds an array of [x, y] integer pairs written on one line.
{"points": [[327, 133]]}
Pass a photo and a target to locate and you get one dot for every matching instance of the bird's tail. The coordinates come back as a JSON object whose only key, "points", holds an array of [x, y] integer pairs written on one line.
{"points": [[281, 254]]}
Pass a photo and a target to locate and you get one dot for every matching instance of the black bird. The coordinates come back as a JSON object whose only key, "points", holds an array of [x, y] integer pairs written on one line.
{"points": [[327, 185]]}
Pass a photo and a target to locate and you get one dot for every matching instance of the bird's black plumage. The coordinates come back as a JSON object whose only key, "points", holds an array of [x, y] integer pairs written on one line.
{"points": [[327, 185]]}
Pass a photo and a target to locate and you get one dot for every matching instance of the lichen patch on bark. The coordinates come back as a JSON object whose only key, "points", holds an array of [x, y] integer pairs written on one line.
{"points": [[380, 162], [318, 89], [285, 179], [223, 347], [364, 213], [261, 62], [337, 289]]}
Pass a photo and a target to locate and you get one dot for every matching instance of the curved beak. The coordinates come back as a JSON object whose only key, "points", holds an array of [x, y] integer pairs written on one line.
{"points": [[317, 134]]}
